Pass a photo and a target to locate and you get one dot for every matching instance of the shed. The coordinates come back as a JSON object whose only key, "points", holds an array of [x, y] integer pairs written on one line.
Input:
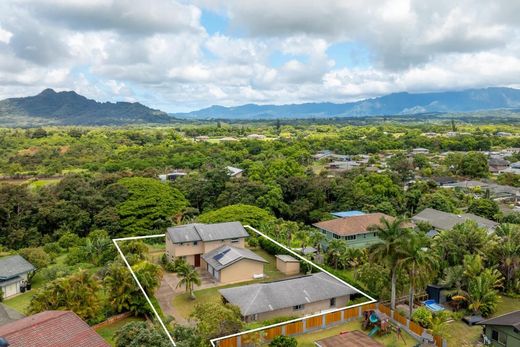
{"points": [[287, 265]]}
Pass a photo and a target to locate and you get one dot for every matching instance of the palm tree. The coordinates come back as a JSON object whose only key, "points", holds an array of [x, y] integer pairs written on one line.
{"points": [[335, 250], [189, 277], [316, 239], [390, 249], [482, 295], [418, 261], [508, 253]]}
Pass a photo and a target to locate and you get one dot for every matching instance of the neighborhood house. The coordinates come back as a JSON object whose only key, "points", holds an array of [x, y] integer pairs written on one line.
{"points": [[50, 329], [356, 229], [14, 271], [289, 297], [446, 221], [504, 330]]}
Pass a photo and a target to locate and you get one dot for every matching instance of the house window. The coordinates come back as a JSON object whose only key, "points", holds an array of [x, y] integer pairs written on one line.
{"points": [[195, 243], [375, 234], [499, 337], [254, 317], [332, 302], [335, 236], [350, 237], [235, 240], [298, 307]]}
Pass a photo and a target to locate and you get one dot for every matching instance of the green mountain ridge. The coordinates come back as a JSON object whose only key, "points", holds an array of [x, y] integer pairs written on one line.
{"points": [[69, 108]]}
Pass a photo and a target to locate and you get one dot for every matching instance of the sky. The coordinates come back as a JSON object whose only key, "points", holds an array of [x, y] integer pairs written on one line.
{"points": [[185, 55]]}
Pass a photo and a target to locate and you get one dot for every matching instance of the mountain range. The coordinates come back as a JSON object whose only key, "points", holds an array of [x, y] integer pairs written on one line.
{"points": [[69, 108], [391, 104]]}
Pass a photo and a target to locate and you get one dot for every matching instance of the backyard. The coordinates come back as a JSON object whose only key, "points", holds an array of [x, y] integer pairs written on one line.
{"points": [[461, 334], [307, 340], [108, 331]]}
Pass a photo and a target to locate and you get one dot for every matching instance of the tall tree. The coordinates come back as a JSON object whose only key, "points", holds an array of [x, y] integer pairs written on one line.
{"points": [[419, 262], [389, 250]]}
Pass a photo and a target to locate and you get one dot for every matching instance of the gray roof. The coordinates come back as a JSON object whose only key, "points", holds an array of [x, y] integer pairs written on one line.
{"points": [[233, 171], [206, 232], [13, 266], [266, 297], [287, 258], [508, 319], [225, 256], [8, 315], [446, 221]]}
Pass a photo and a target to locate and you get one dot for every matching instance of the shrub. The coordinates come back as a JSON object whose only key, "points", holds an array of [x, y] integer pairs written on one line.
{"points": [[423, 317], [283, 341]]}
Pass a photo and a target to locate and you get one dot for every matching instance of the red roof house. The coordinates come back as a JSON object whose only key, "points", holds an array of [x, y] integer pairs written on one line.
{"points": [[51, 329]]}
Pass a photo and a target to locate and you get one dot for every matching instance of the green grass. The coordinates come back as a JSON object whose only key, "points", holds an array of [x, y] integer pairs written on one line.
{"points": [[21, 302], [107, 332], [461, 334], [307, 340]]}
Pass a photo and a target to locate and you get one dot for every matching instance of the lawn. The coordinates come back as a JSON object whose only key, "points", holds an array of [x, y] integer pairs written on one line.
{"points": [[461, 334], [107, 332], [21, 302], [307, 340]]}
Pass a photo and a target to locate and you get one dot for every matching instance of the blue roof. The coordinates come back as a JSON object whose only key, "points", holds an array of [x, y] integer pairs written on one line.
{"points": [[344, 214]]}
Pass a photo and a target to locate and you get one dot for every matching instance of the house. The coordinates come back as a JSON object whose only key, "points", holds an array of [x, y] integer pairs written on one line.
{"points": [[504, 330], [256, 137], [514, 168], [343, 165], [191, 241], [322, 154], [234, 172], [444, 181], [287, 264], [420, 150], [51, 329], [298, 296], [441, 220], [497, 164], [14, 271], [503, 134], [357, 230], [172, 176], [354, 338], [228, 264], [202, 138]]}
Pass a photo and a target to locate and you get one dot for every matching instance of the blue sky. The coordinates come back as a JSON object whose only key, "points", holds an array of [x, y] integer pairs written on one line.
{"points": [[181, 55]]}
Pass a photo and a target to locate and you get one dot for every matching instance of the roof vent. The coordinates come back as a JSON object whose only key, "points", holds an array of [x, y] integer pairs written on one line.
{"points": [[3, 342]]}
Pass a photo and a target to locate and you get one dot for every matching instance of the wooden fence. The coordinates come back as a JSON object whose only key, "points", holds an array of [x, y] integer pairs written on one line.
{"points": [[327, 320]]}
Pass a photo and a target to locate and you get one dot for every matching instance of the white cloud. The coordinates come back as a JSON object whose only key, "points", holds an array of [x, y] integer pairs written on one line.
{"points": [[159, 53]]}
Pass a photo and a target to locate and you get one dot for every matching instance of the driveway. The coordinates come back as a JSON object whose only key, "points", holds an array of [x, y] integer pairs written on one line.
{"points": [[168, 289]]}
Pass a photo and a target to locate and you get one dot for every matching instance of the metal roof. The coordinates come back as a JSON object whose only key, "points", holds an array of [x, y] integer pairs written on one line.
{"points": [[266, 297], [226, 255], [13, 266], [343, 214], [206, 232], [446, 221]]}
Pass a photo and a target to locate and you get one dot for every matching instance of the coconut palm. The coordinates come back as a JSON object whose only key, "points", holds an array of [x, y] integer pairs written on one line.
{"points": [[316, 239], [419, 261], [389, 250], [188, 278]]}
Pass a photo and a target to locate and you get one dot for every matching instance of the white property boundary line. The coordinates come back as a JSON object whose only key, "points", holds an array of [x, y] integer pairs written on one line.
{"points": [[215, 340]]}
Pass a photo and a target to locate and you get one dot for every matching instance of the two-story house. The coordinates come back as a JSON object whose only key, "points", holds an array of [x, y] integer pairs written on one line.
{"points": [[217, 248]]}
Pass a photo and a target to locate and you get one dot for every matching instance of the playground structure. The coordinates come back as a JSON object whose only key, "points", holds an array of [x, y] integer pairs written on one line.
{"points": [[379, 323]]}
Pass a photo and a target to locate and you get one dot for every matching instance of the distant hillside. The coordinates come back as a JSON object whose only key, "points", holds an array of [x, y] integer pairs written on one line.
{"points": [[392, 104], [70, 108]]}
